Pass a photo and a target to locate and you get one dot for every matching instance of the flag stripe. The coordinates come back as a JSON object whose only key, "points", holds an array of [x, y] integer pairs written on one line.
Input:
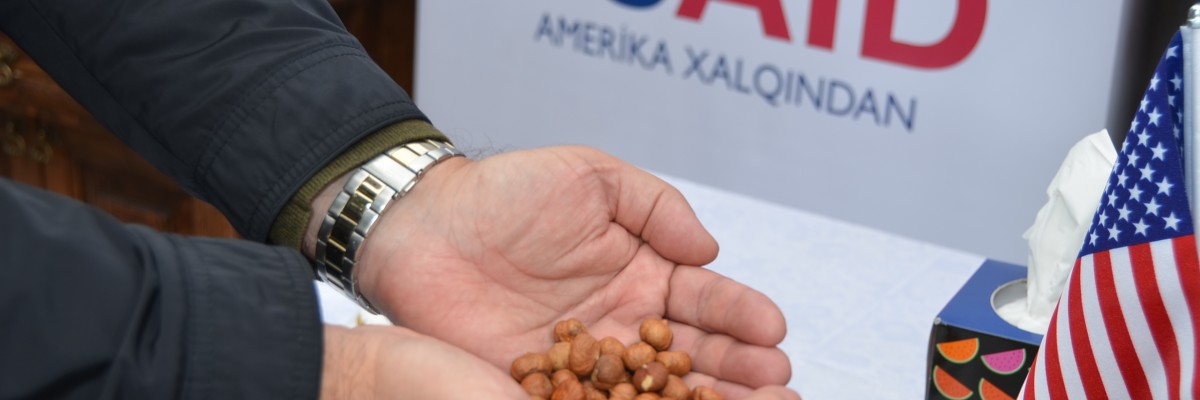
{"points": [[1159, 322], [1141, 343], [1114, 383], [1071, 380], [1118, 332], [1171, 294], [1031, 388], [1054, 379], [1089, 375], [1188, 267]]}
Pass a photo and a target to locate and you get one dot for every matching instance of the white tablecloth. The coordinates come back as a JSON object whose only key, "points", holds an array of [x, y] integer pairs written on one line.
{"points": [[859, 302]]}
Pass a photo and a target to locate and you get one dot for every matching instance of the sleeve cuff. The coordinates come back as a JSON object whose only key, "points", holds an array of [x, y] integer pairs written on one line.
{"points": [[289, 226]]}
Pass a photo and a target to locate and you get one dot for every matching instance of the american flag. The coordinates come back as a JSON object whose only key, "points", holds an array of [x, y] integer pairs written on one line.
{"points": [[1126, 325]]}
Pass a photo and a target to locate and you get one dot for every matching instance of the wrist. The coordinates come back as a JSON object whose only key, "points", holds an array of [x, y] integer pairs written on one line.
{"points": [[376, 256], [336, 237]]}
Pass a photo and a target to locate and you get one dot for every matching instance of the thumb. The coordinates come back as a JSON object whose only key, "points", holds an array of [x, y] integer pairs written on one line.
{"points": [[655, 211]]}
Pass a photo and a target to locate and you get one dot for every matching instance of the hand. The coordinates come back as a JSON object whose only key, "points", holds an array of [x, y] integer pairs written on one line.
{"points": [[488, 255], [378, 362]]}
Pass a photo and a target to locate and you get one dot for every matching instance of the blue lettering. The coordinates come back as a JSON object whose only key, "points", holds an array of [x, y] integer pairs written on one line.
{"points": [[661, 56], [694, 64], [768, 91], [892, 104], [834, 85], [545, 29], [816, 96], [867, 105]]}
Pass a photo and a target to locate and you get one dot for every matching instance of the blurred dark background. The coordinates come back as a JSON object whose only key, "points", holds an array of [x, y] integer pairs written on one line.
{"points": [[1146, 28]]}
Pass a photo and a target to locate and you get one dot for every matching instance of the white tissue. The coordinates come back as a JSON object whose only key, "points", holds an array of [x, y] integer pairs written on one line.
{"points": [[1058, 231]]}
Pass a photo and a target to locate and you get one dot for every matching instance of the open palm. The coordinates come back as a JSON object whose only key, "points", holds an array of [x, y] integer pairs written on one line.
{"points": [[488, 255]]}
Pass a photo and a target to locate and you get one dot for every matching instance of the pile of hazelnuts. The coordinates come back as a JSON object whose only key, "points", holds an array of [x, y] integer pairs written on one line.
{"points": [[579, 367]]}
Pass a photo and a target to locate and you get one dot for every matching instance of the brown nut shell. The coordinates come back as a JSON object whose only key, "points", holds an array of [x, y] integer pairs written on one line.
{"points": [[678, 363], [609, 371], [657, 333], [594, 394], [562, 375], [705, 393], [528, 364], [566, 330], [647, 396], [622, 391], [675, 388], [569, 390], [585, 350], [610, 345], [651, 377], [538, 385], [637, 355], [558, 355]]}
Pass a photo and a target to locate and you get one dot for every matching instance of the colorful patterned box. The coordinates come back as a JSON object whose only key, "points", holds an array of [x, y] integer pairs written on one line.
{"points": [[973, 353]]}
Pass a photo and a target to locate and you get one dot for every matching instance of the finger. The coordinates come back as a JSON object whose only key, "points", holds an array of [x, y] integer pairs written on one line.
{"points": [[736, 391], [727, 359], [650, 208], [772, 393], [702, 298], [725, 388]]}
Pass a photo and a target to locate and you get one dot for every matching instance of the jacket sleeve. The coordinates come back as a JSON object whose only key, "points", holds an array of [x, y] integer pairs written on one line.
{"points": [[93, 308], [239, 101]]}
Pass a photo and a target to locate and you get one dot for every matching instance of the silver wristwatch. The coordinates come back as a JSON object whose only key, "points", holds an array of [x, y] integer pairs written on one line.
{"points": [[370, 189]]}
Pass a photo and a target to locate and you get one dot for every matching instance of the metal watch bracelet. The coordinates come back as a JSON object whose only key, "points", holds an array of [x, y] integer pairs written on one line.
{"points": [[371, 188]]}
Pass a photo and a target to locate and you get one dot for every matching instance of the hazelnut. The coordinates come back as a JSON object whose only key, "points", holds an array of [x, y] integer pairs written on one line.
{"points": [[558, 355], [650, 377], [647, 396], [705, 393], [609, 371], [538, 385], [637, 355], [610, 345], [562, 375], [657, 333], [675, 388], [622, 391], [569, 390], [584, 352], [565, 331], [677, 362], [593, 393], [528, 364]]}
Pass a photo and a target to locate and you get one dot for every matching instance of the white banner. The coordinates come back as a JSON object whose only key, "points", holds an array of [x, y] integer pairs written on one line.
{"points": [[942, 120]]}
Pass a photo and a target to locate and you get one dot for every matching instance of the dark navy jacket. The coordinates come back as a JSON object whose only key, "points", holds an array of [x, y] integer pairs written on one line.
{"points": [[240, 102]]}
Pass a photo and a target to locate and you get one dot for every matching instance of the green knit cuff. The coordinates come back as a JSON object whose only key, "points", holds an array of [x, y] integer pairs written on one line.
{"points": [[292, 221]]}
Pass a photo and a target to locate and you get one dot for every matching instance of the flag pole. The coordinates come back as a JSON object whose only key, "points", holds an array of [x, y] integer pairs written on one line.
{"points": [[1191, 124]]}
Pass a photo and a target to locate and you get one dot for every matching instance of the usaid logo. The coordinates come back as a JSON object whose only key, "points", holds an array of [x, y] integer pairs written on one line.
{"points": [[878, 41]]}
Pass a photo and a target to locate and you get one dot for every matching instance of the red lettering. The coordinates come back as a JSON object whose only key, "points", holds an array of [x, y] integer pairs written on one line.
{"points": [[769, 11], [958, 43], [822, 22]]}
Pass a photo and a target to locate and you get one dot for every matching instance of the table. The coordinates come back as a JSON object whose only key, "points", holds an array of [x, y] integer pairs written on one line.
{"points": [[859, 302]]}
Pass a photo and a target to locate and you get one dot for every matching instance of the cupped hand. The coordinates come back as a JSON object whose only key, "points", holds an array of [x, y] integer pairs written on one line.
{"points": [[488, 255], [388, 362]]}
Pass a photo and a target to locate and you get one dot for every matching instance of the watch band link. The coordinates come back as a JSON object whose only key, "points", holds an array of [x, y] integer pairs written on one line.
{"points": [[368, 192]]}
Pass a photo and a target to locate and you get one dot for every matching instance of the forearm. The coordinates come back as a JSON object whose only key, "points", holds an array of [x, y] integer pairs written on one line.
{"points": [[95, 308], [239, 101]]}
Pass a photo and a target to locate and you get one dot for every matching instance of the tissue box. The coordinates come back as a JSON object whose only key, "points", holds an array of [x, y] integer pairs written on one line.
{"points": [[973, 353]]}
